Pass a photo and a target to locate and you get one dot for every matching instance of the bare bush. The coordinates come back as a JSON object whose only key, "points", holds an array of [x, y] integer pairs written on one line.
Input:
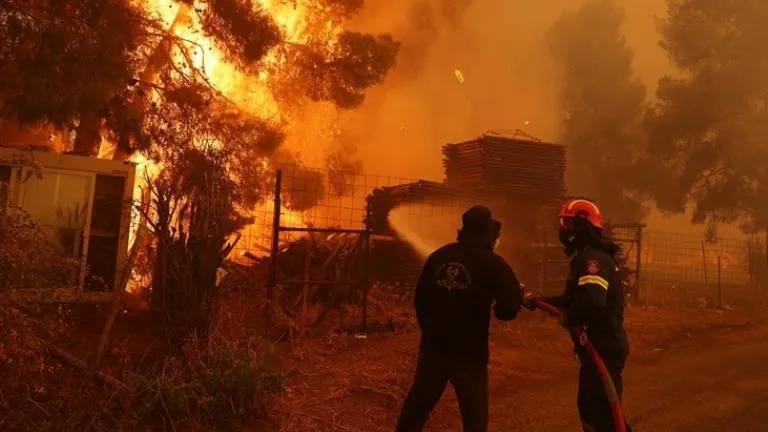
{"points": [[207, 387], [28, 259]]}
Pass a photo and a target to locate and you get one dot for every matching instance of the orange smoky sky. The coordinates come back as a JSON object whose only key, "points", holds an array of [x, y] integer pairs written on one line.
{"points": [[506, 81]]}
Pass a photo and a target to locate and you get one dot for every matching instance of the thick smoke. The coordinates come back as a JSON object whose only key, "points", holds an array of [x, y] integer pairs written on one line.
{"points": [[420, 26], [510, 81], [423, 104], [345, 136], [602, 104]]}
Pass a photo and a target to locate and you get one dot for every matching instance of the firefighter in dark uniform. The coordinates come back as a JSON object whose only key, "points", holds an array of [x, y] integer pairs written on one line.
{"points": [[454, 294], [594, 300]]}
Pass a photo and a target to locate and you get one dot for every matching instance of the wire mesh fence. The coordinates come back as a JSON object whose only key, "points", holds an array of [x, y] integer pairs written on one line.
{"points": [[689, 267], [426, 213], [331, 238], [314, 198], [393, 223]]}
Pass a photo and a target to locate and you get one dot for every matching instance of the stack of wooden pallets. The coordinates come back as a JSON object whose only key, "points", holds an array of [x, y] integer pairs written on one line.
{"points": [[512, 166]]}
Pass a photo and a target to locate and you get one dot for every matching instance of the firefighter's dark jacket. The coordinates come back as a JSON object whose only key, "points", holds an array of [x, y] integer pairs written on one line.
{"points": [[594, 299], [454, 294]]}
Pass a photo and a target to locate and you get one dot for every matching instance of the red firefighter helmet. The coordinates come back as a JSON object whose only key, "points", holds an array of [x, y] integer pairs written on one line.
{"points": [[580, 207]]}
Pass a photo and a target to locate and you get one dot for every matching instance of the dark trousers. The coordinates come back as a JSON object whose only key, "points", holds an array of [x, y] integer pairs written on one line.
{"points": [[594, 406], [433, 372]]}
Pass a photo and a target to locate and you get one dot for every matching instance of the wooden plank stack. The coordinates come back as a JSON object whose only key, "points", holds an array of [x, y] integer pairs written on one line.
{"points": [[526, 180], [422, 191], [520, 178], [510, 166]]}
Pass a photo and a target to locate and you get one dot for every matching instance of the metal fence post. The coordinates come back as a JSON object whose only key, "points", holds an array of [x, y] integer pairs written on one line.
{"points": [[366, 279], [704, 261], [275, 235], [719, 284], [366, 265], [638, 265], [765, 256], [545, 263], [750, 264]]}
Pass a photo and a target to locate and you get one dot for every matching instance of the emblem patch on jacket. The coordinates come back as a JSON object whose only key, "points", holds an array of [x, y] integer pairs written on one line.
{"points": [[593, 267], [453, 276]]}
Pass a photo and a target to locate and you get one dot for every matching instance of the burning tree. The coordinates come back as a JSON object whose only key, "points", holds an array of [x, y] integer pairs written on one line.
{"points": [[264, 58], [602, 105], [707, 130], [205, 89]]}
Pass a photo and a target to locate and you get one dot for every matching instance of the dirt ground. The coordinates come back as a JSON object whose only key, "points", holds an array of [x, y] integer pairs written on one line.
{"points": [[690, 368], [682, 361]]}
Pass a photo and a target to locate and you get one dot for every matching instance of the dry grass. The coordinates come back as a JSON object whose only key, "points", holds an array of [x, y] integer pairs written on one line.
{"points": [[709, 295], [345, 382], [216, 386], [355, 383]]}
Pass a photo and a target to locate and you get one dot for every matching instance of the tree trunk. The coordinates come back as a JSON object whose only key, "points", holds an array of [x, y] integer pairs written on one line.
{"points": [[162, 53], [206, 260], [160, 273], [159, 59], [121, 153], [88, 135]]}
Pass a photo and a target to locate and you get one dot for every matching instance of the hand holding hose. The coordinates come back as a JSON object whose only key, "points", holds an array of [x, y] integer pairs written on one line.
{"points": [[529, 300], [581, 336]]}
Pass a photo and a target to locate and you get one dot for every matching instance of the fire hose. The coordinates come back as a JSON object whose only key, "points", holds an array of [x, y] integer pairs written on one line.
{"points": [[581, 336]]}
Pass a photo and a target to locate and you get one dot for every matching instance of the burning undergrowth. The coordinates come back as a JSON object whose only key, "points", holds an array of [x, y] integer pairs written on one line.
{"points": [[206, 93], [204, 73], [320, 281]]}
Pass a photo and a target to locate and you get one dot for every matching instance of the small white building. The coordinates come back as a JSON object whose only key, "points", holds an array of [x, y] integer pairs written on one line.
{"points": [[85, 204]]}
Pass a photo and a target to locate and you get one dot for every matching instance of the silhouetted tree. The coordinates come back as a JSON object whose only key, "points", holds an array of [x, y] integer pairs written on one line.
{"points": [[97, 65], [601, 103], [108, 69], [62, 62], [707, 132]]}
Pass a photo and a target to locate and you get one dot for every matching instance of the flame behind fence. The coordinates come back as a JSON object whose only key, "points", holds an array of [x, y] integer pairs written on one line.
{"points": [[331, 201]]}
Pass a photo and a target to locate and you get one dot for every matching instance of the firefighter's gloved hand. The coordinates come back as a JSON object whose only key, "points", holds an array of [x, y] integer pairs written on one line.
{"points": [[529, 300]]}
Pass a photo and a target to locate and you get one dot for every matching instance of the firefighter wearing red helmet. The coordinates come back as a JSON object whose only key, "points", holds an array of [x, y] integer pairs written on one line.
{"points": [[593, 299]]}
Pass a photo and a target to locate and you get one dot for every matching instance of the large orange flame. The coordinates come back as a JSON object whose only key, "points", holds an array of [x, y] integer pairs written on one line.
{"points": [[251, 93]]}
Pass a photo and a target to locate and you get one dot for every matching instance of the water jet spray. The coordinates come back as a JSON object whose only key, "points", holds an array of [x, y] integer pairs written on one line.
{"points": [[402, 223]]}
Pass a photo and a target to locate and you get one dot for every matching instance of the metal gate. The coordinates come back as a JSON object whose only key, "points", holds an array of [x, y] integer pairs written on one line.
{"points": [[350, 278], [630, 237]]}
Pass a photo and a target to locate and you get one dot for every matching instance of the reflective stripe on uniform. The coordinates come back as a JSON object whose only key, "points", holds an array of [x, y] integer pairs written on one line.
{"points": [[592, 279]]}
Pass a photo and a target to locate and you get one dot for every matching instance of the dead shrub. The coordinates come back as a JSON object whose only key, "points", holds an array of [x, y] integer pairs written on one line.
{"points": [[218, 387], [28, 260]]}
